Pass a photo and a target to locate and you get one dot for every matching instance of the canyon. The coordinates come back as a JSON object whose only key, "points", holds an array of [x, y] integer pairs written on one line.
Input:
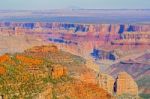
{"points": [[56, 79], [119, 50]]}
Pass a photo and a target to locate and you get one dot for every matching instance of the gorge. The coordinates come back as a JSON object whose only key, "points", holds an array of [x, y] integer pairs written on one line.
{"points": [[119, 50]]}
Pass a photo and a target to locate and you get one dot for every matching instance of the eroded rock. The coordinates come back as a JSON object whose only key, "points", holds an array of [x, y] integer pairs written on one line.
{"points": [[106, 82], [58, 71], [125, 84]]}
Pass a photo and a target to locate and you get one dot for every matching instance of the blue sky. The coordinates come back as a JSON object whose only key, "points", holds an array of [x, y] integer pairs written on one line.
{"points": [[61, 4]]}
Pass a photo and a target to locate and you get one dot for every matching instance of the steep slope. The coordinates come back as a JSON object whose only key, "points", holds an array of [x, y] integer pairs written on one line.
{"points": [[48, 74], [139, 68]]}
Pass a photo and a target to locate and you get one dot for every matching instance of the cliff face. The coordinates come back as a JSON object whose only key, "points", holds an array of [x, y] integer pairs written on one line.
{"points": [[124, 84], [58, 71], [50, 48], [106, 82], [66, 77], [100, 29], [138, 68], [79, 39]]}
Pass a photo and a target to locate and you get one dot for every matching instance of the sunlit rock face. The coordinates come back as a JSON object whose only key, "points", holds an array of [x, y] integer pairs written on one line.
{"points": [[79, 38], [58, 71], [125, 84], [44, 49], [93, 29], [88, 76], [80, 90], [106, 82]]}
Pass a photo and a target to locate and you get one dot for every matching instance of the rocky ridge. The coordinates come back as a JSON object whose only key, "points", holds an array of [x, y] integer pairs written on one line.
{"points": [[62, 80]]}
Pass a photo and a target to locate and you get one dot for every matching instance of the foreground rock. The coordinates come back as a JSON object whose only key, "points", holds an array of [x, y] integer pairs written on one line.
{"points": [[58, 71], [125, 84], [80, 90], [106, 82], [66, 78]]}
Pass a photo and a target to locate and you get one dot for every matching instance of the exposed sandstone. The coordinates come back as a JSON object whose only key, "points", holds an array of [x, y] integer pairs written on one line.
{"points": [[125, 84], [44, 48], [106, 82], [91, 65], [29, 61], [88, 76], [58, 71], [80, 90]]}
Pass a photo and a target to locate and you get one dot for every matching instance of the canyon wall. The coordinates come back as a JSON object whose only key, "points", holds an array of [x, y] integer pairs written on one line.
{"points": [[95, 29]]}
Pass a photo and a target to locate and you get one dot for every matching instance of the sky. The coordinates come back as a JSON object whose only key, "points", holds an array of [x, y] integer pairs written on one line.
{"points": [[64, 4]]}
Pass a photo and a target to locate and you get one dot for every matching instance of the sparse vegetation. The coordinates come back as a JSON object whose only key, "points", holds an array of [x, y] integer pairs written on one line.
{"points": [[144, 81], [127, 96], [24, 75], [145, 96]]}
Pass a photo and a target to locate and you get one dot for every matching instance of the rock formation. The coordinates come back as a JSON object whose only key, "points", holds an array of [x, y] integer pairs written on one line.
{"points": [[80, 90], [106, 82], [44, 48], [29, 61], [91, 65], [58, 71], [125, 84], [88, 76], [137, 67]]}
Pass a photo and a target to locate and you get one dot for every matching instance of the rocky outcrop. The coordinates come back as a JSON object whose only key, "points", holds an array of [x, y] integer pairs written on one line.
{"points": [[125, 84], [88, 76], [106, 82], [44, 48], [29, 61], [91, 65], [137, 67], [80, 90], [92, 29], [58, 71]]}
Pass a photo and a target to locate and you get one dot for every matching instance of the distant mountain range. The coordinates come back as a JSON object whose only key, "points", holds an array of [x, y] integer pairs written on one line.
{"points": [[77, 15]]}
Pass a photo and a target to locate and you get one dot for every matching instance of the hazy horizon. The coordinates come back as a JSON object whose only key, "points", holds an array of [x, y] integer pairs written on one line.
{"points": [[73, 4]]}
